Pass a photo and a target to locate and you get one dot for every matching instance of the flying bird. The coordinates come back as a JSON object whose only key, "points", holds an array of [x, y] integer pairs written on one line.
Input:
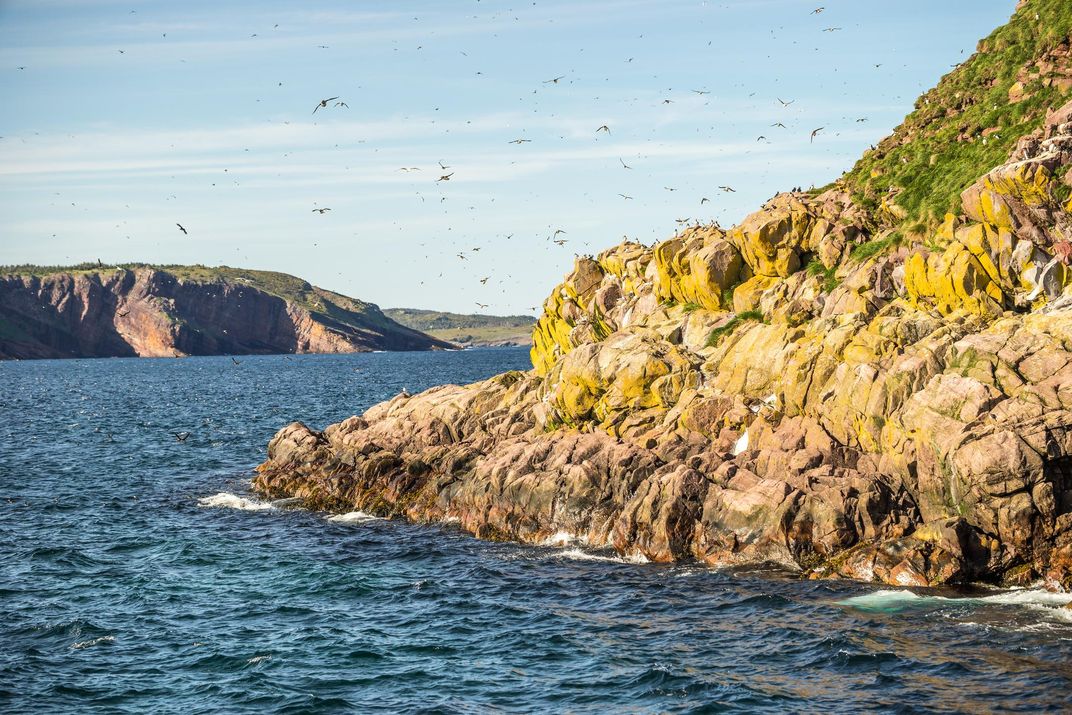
{"points": [[124, 314], [785, 103], [778, 124], [604, 128], [445, 177], [624, 164], [181, 436], [557, 232], [561, 242], [818, 11], [342, 104], [482, 306], [815, 133], [443, 166], [728, 189], [484, 280], [760, 138], [324, 103], [519, 141], [235, 361], [321, 211], [831, 29], [704, 200], [625, 197], [182, 229], [554, 81]]}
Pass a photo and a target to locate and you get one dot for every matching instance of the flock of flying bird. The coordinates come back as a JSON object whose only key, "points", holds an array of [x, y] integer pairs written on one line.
{"points": [[557, 237], [336, 102], [446, 172]]}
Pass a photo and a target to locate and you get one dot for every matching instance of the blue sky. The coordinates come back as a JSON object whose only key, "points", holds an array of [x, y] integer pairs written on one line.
{"points": [[129, 117]]}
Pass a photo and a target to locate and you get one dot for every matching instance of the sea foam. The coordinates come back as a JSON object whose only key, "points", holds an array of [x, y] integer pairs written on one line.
{"points": [[891, 601], [226, 500], [576, 554], [354, 517]]}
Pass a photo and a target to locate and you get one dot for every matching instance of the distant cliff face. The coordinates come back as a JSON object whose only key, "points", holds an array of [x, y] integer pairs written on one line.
{"points": [[154, 313]]}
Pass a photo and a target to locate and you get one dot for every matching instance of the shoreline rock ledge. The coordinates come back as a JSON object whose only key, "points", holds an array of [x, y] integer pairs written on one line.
{"points": [[821, 387]]}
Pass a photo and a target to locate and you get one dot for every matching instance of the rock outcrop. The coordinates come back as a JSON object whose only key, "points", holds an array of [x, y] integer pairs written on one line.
{"points": [[152, 312], [817, 387]]}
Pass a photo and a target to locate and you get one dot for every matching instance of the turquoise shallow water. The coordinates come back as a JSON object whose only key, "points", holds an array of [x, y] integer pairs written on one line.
{"points": [[138, 574]]}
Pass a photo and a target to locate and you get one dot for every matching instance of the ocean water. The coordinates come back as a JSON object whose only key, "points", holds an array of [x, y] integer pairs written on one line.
{"points": [[139, 574]]}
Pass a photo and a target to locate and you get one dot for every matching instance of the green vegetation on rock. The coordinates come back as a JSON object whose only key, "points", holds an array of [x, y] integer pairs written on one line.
{"points": [[722, 331], [472, 329], [970, 121]]}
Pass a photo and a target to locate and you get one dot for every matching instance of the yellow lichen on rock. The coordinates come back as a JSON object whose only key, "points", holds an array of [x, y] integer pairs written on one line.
{"points": [[627, 372], [952, 281]]}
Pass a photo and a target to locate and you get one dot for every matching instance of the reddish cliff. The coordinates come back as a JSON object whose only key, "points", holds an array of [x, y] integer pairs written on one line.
{"points": [[152, 312]]}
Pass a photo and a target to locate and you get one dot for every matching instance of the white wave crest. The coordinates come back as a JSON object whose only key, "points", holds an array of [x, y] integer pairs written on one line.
{"points": [[1030, 597], [233, 501], [354, 517], [258, 658], [95, 641], [564, 538], [886, 600], [576, 554], [1054, 604]]}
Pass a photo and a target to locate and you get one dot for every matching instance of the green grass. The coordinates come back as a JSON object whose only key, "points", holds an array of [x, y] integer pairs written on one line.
{"points": [[830, 279], [282, 285], [874, 247], [718, 333], [484, 336], [437, 320], [690, 307], [924, 161]]}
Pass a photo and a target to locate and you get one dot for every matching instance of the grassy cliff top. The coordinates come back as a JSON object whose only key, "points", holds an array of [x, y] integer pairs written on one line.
{"points": [[437, 320], [970, 121], [282, 285]]}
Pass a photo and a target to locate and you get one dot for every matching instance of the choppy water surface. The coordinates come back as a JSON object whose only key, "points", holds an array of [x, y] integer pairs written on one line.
{"points": [[138, 574]]}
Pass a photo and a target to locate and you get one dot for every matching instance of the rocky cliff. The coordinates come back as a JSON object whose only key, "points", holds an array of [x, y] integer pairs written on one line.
{"points": [[847, 383], [185, 310]]}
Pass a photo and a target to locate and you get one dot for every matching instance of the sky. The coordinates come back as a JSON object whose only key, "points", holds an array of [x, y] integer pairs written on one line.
{"points": [[119, 120]]}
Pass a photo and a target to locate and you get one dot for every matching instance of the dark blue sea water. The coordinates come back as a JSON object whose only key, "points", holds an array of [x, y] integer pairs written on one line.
{"points": [[121, 591]]}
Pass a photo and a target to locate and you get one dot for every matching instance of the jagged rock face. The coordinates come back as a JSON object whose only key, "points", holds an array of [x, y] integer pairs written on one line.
{"points": [[151, 313], [776, 392]]}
